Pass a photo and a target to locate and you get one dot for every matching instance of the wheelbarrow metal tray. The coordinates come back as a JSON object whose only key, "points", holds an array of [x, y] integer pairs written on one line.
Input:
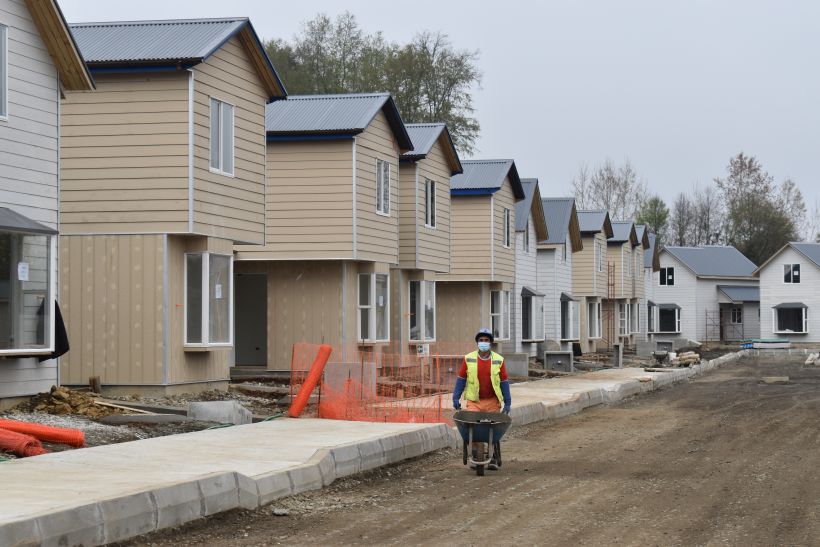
{"points": [[481, 423]]}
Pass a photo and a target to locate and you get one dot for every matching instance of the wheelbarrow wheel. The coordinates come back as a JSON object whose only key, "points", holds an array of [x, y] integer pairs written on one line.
{"points": [[497, 453], [479, 470]]}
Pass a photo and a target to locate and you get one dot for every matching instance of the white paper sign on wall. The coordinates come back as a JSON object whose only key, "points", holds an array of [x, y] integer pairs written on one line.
{"points": [[22, 271], [218, 291]]}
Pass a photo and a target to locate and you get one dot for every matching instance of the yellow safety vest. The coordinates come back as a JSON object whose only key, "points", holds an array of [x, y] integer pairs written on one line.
{"points": [[471, 393]]}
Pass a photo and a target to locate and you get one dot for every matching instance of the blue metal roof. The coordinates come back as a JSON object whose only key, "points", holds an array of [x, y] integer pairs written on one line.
{"points": [[347, 113], [481, 177], [740, 293], [714, 260], [557, 212]]}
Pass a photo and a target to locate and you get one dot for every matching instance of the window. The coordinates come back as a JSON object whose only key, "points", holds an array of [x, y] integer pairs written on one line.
{"points": [[623, 316], [4, 72], [506, 227], [628, 259], [500, 314], [599, 256], [374, 307], [736, 315], [532, 318], [667, 276], [791, 319], [26, 293], [594, 319], [527, 240], [422, 311], [382, 187], [221, 137], [791, 273], [634, 318], [569, 320], [208, 315], [564, 249], [429, 203], [669, 320], [650, 318]]}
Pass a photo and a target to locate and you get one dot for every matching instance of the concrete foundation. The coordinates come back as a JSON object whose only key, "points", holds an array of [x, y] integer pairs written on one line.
{"points": [[517, 364], [223, 412], [559, 360]]}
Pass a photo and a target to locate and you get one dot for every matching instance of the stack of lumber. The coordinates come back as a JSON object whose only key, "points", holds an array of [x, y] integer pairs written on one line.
{"points": [[685, 359]]}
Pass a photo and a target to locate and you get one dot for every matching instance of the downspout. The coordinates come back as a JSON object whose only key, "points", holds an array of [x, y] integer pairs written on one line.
{"points": [[165, 310], [416, 242], [492, 238], [355, 189], [343, 313], [56, 271], [190, 151]]}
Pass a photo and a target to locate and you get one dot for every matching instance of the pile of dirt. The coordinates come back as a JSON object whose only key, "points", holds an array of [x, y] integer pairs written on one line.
{"points": [[257, 405], [61, 400]]}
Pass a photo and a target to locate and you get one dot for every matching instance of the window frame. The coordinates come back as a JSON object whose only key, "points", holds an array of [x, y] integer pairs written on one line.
{"points": [[736, 315], [4, 74], [677, 322], [430, 204], [634, 318], [506, 241], [423, 325], [536, 315], [382, 206], [206, 302], [623, 319], [372, 307], [651, 317], [527, 239], [599, 256], [624, 254], [221, 160], [793, 267], [503, 314], [572, 314], [663, 276], [597, 323], [51, 295], [775, 323]]}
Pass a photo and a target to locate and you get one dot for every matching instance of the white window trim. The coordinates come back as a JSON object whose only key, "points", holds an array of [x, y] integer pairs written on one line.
{"points": [[634, 318], [732, 311], [667, 284], [372, 310], [677, 323], [574, 331], [423, 325], [4, 58], [504, 301], [805, 324], [791, 266], [527, 239], [597, 323], [428, 198], [534, 301], [506, 241], [599, 256], [389, 188], [652, 313], [233, 138], [206, 300]]}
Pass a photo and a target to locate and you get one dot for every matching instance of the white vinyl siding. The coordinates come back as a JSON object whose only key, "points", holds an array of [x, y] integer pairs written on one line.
{"points": [[222, 137], [4, 72], [774, 292]]}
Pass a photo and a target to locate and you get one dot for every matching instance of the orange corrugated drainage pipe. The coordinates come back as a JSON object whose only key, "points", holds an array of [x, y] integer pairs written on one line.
{"points": [[48, 433], [19, 444], [314, 375]]}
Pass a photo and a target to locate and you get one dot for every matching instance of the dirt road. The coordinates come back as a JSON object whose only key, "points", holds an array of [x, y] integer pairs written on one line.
{"points": [[722, 460]]}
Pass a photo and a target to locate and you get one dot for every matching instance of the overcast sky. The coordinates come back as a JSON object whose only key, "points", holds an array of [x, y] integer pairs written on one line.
{"points": [[676, 87]]}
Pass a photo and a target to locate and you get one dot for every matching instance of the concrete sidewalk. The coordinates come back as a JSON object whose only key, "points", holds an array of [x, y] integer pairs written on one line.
{"points": [[110, 493]]}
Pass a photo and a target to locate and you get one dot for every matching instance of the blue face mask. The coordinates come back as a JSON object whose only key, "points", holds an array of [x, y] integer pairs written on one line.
{"points": [[483, 346]]}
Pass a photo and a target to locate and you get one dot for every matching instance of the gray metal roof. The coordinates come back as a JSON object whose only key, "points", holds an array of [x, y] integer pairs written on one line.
{"points": [[811, 250], [714, 260], [649, 254], [347, 113], [171, 40], [591, 221], [12, 221], [524, 207], [557, 212], [621, 231], [424, 136], [486, 177], [740, 293], [639, 230]]}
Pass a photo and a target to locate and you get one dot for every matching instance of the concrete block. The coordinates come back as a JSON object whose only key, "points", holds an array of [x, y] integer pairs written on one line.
{"points": [[517, 364], [128, 516], [323, 460], [305, 477], [618, 355], [247, 491], [348, 461], [177, 504], [273, 486], [564, 408], [218, 493], [559, 360], [527, 414], [21, 532], [371, 454], [76, 526], [393, 448], [413, 444], [223, 412]]}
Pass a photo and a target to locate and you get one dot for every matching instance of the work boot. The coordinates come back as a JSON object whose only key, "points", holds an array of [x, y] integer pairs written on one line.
{"points": [[493, 465]]}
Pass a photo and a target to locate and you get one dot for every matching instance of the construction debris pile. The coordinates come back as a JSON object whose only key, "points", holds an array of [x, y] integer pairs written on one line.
{"points": [[60, 400], [684, 359]]}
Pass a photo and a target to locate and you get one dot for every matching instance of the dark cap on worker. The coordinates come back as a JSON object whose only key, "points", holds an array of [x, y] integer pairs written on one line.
{"points": [[485, 332]]}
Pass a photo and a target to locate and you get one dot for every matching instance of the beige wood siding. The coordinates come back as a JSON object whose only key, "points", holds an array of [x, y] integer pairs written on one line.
{"points": [[377, 236], [470, 239], [410, 201], [615, 255], [586, 280], [638, 289], [187, 366], [434, 243], [124, 149], [504, 260], [230, 207], [461, 309], [112, 301], [309, 202]]}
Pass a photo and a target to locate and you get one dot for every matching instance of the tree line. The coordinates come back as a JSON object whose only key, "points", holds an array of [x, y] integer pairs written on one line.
{"points": [[745, 208], [431, 80]]}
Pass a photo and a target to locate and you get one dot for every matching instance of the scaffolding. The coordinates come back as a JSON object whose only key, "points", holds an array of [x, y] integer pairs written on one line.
{"points": [[719, 329]]}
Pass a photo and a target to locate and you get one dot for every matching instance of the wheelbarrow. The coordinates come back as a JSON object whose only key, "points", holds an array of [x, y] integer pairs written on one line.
{"points": [[481, 427]]}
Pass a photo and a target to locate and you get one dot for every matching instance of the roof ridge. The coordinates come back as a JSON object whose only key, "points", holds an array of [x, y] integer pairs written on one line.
{"points": [[487, 161], [425, 124], [158, 22], [337, 96]]}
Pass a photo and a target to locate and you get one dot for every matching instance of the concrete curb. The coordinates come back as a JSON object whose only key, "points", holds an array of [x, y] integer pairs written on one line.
{"points": [[141, 512]]}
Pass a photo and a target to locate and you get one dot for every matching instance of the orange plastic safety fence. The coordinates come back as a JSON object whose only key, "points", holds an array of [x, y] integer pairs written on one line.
{"points": [[374, 385]]}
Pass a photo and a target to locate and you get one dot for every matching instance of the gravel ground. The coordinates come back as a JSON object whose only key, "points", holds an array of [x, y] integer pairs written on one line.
{"points": [[257, 405], [721, 460]]}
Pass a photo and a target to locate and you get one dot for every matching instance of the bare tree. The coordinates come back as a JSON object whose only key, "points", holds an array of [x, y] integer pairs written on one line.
{"points": [[617, 189], [679, 232], [707, 219]]}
